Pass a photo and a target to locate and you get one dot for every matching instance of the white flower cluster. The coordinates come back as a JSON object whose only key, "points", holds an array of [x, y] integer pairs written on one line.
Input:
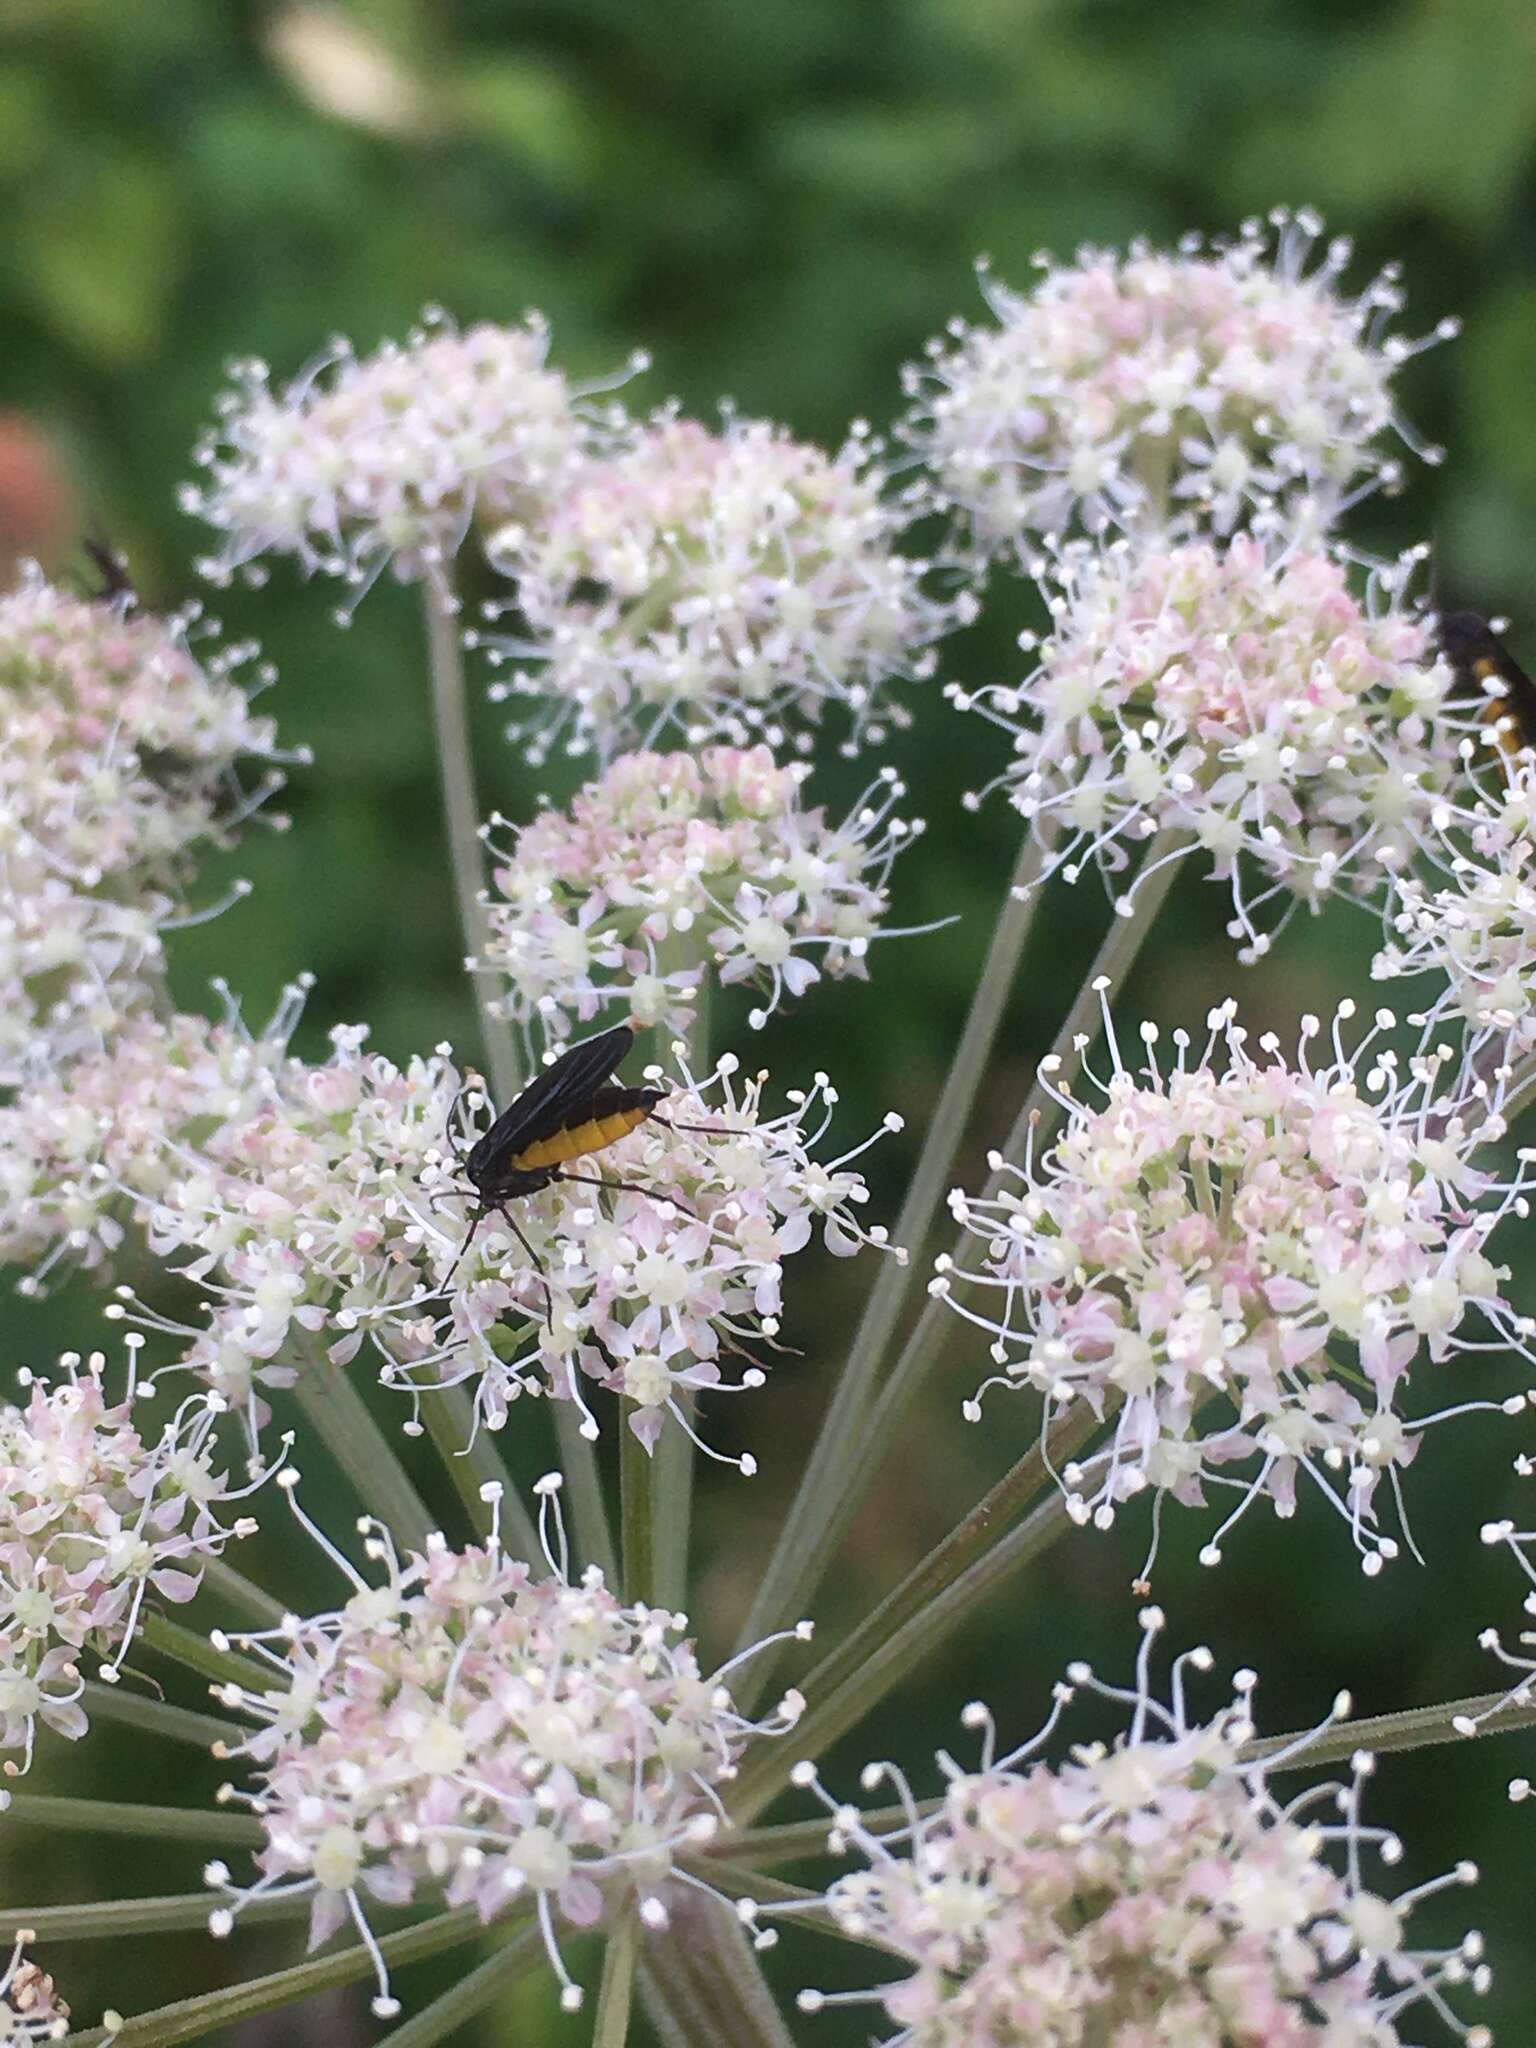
{"points": [[1154, 1893], [728, 584], [388, 458], [670, 863], [1152, 390], [325, 1204], [469, 1731], [1245, 1258], [119, 759], [95, 1518]]}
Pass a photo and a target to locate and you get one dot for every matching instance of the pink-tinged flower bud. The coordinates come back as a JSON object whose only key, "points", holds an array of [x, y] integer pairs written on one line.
{"points": [[1240, 695], [1164, 392], [726, 585], [474, 1732], [119, 764], [673, 864], [1153, 1890], [1251, 1259], [387, 459], [96, 1516]]}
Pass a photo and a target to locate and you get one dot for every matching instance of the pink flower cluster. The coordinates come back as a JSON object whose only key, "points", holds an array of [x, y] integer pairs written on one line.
{"points": [[672, 862], [388, 458], [326, 1204], [1239, 694], [472, 1732], [1243, 1258], [1162, 390], [119, 760], [95, 1517], [1150, 1893], [727, 584]]}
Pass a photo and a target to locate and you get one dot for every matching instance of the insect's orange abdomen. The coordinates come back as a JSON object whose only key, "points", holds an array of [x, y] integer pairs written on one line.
{"points": [[580, 1139]]}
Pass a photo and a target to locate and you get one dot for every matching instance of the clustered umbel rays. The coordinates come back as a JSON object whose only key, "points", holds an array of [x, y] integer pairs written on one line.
{"points": [[673, 865], [1238, 693], [99, 1514], [1245, 1258], [326, 1204], [31, 2010], [721, 585], [1152, 1890], [385, 461], [122, 739], [462, 1729], [1178, 392]]}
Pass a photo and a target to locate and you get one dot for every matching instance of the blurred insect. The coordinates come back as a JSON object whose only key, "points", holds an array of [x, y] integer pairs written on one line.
{"points": [[570, 1111], [1486, 670], [116, 583]]}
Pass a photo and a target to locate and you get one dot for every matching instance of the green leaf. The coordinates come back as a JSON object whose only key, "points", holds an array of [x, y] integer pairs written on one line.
{"points": [[534, 114], [100, 251]]}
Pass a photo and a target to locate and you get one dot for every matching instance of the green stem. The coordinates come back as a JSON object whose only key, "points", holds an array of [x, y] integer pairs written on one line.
{"points": [[1522, 1087], [584, 1483], [472, 1994], [341, 1419], [471, 1460], [190, 2017], [702, 1987], [827, 1495], [672, 1481], [795, 1841], [1413, 1728], [461, 811], [637, 1513], [256, 1608], [113, 1917], [620, 1954], [156, 1717], [120, 1817], [224, 1667], [949, 1584]]}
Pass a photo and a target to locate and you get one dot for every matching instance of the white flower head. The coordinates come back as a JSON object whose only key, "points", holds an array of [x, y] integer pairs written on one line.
{"points": [[1164, 391], [96, 1516], [328, 1203], [31, 2010], [388, 459], [1239, 694], [671, 865], [121, 740], [472, 1731], [728, 585], [1153, 1890], [1246, 1256]]}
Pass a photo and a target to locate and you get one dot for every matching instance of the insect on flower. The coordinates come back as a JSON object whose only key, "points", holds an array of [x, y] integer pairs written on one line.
{"points": [[1485, 668], [570, 1111]]}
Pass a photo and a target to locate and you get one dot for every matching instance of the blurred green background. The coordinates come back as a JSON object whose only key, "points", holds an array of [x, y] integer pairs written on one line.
{"points": [[782, 200]]}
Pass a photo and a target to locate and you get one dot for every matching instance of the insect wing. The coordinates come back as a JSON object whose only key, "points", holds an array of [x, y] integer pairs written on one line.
{"points": [[545, 1105]]}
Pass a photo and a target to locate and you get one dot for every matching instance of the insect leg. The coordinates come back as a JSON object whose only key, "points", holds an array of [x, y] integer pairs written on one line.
{"points": [[534, 1259]]}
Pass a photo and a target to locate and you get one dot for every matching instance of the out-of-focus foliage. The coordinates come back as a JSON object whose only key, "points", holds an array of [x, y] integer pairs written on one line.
{"points": [[782, 201]]}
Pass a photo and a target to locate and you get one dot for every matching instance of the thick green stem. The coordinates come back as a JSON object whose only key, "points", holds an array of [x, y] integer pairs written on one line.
{"points": [[110, 1918], [461, 811], [822, 1505], [924, 1610], [878, 1426], [472, 1461], [189, 2018], [472, 1994], [256, 1608], [156, 1717], [611, 2027], [226, 1829], [672, 1481], [702, 1987], [224, 1667], [340, 1417], [1495, 1713], [584, 1484], [637, 1513]]}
